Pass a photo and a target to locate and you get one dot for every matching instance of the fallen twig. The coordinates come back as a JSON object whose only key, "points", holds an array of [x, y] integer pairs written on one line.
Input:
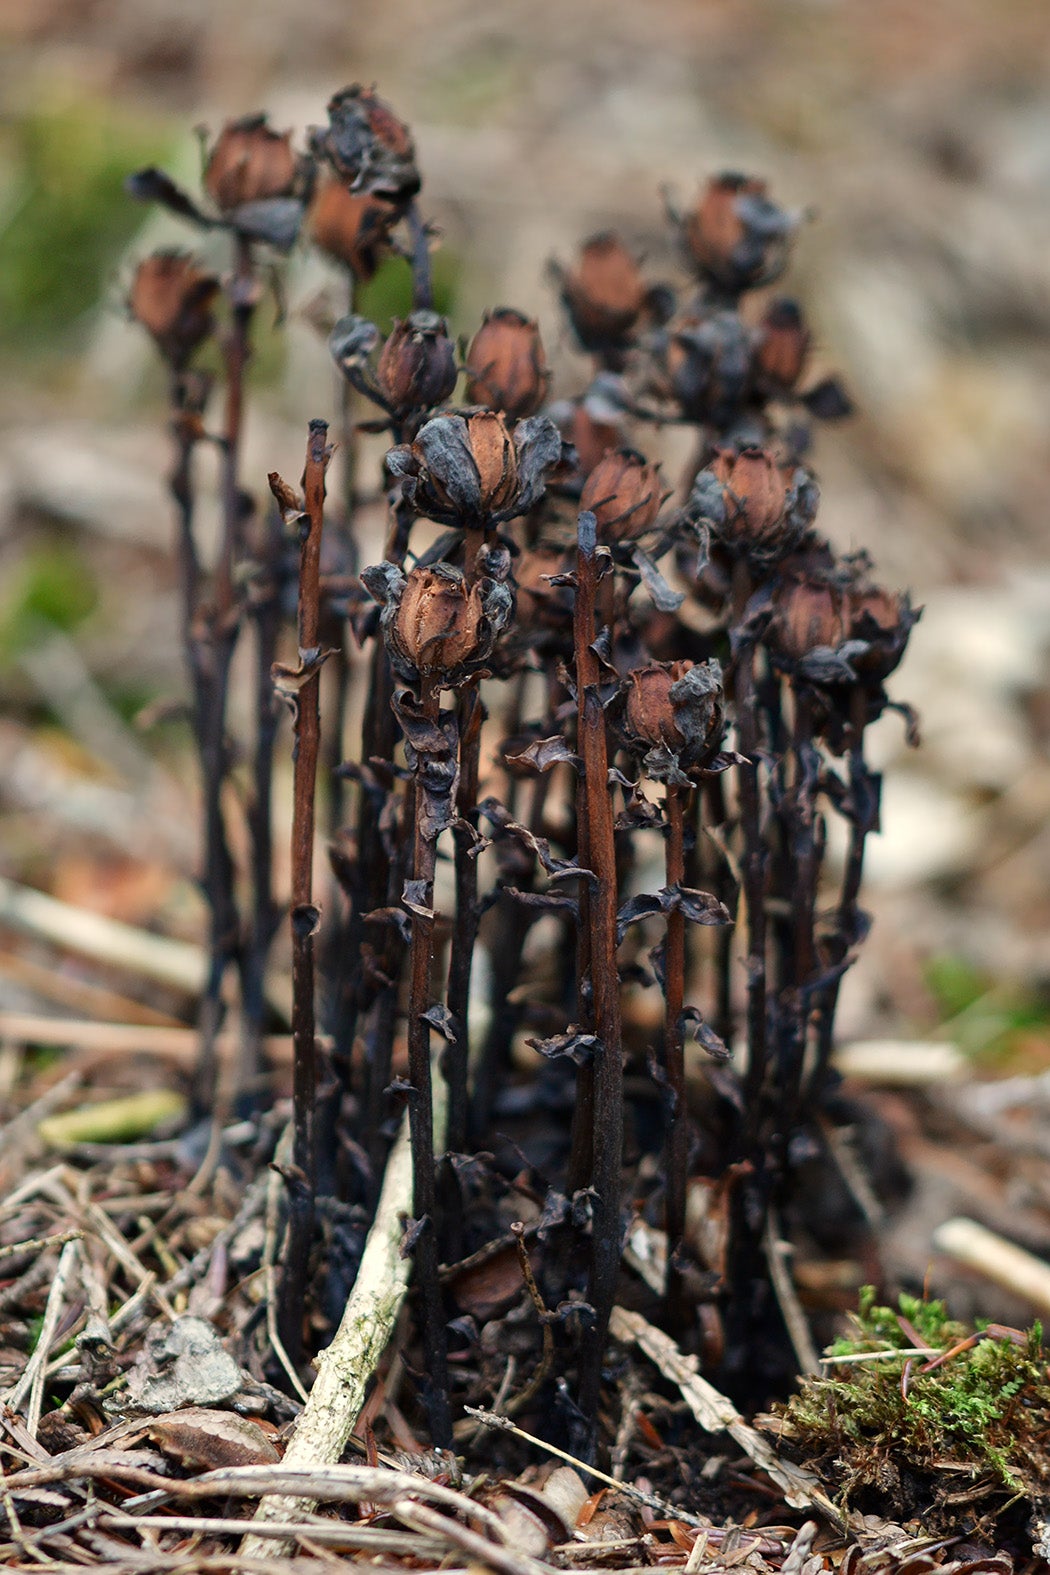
{"points": [[999, 1260], [345, 1367], [716, 1414], [31, 1382]]}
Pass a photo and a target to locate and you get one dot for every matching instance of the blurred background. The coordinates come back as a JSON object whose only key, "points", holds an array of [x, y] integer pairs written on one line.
{"points": [[920, 138]]}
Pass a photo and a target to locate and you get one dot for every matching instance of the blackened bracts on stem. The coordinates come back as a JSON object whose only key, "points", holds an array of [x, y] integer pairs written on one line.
{"points": [[301, 687]]}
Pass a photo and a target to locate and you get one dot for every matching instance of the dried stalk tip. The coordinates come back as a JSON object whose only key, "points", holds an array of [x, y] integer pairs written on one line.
{"points": [[171, 296], [506, 364]]}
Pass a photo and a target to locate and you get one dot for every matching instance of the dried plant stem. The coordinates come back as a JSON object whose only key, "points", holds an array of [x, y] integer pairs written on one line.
{"points": [[596, 809], [422, 286], [421, 1108], [677, 1149], [465, 929], [304, 916]]}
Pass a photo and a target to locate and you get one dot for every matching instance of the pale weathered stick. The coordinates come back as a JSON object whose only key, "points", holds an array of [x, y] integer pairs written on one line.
{"points": [[1001, 1261], [345, 1367], [175, 1044], [716, 1414], [31, 1382], [180, 965]]}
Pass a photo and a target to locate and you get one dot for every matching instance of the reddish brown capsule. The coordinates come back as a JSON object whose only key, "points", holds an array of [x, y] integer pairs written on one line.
{"points": [[439, 619], [884, 621], [736, 235], [783, 347], [808, 615], [649, 712], [675, 711], [351, 227], [251, 163], [172, 297], [417, 365], [506, 364], [754, 506], [604, 293], [623, 493]]}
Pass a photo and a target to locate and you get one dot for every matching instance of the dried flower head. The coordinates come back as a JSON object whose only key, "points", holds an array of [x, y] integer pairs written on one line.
{"points": [[675, 713], [171, 296], [368, 146], [705, 363], [417, 365], [783, 347], [832, 628], [472, 471], [352, 227], [808, 615], [623, 494], [755, 507], [604, 293], [436, 622], [883, 621], [735, 235], [506, 364], [249, 162]]}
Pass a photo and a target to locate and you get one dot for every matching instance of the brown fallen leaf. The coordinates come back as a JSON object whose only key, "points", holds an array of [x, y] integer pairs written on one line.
{"points": [[210, 1440]]}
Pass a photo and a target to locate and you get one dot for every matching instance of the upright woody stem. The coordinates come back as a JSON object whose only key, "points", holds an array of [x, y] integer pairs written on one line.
{"points": [[596, 809], [677, 1150], [304, 916], [421, 1099]]}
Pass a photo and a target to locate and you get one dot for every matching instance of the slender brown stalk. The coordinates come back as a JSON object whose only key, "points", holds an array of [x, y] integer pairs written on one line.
{"points": [[677, 1149], [754, 857], [421, 1110], [465, 929], [304, 916], [596, 810]]}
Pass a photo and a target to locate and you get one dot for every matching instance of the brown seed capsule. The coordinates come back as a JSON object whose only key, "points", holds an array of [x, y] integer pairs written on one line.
{"points": [[808, 615], [250, 163], [604, 294], [351, 227], [171, 297], [591, 439], [885, 621], [439, 621], [736, 235], [623, 493], [673, 710], [506, 365], [649, 712], [417, 366], [469, 470], [783, 347]]}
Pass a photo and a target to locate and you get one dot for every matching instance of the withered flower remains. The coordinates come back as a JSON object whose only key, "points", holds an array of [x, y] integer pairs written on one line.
{"points": [[257, 181], [171, 296], [675, 712], [436, 622], [506, 365], [414, 370], [471, 470], [352, 227], [623, 494], [604, 293], [755, 507], [736, 235], [368, 146]]}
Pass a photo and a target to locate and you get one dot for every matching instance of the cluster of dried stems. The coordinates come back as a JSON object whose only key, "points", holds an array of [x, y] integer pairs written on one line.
{"points": [[629, 671]]}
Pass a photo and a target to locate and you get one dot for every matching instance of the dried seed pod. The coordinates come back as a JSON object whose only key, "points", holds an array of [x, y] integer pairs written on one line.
{"points": [[472, 471], [754, 506], [249, 162], [604, 293], [368, 146], [417, 366], [808, 615], [883, 620], [675, 713], [783, 348], [352, 227], [706, 366], [436, 622], [506, 364], [735, 235], [623, 493], [171, 296]]}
